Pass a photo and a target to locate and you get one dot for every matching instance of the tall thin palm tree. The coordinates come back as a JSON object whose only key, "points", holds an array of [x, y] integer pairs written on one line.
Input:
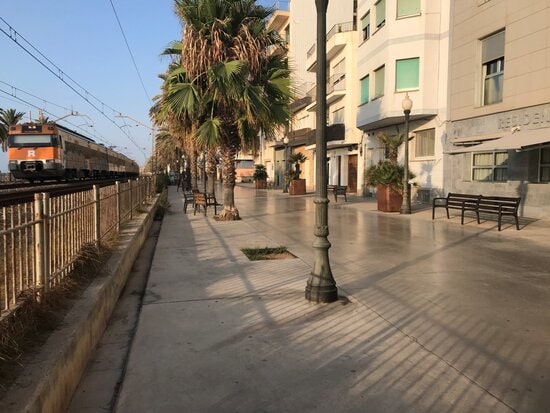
{"points": [[8, 117], [233, 80]]}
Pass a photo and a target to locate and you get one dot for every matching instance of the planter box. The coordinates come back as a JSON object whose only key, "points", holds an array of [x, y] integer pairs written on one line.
{"points": [[297, 187], [388, 200], [261, 184]]}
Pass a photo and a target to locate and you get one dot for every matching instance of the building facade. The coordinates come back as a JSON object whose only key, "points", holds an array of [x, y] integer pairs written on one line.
{"points": [[499, 141], [404, 50]]}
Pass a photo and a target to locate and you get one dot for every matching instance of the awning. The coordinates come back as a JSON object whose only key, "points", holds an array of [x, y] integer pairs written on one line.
{"points": [[336, 145], [470, 140], [519, 140]]}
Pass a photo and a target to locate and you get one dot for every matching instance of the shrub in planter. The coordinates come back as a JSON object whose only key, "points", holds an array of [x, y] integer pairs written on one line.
{"points": [[260, 176], [297, 186], [387, 177]]}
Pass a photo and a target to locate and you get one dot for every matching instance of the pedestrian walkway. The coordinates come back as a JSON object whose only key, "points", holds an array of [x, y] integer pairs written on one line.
{"points": [[433, 316]]}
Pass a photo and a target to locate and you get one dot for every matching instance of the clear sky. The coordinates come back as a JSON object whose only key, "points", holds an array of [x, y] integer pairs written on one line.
{"points": [[83, 39]]}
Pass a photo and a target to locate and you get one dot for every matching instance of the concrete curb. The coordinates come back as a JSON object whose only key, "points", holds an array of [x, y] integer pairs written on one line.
{"points": [[47, 385]]}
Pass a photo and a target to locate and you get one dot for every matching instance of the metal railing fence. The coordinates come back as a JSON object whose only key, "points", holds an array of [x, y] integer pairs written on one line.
{"points": [[41, 241]]}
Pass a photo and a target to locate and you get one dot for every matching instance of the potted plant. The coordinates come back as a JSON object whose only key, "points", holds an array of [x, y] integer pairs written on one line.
{"points": [[260, 176], [387, 177], [297, 186]]}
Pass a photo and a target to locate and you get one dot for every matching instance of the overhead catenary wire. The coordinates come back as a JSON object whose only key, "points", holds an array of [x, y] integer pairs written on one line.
{"points": [[29, 48], [130, 52], [26, 102]]}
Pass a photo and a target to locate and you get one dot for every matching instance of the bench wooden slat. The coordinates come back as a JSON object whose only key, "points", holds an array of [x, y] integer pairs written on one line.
{"points": [[199, 201]]}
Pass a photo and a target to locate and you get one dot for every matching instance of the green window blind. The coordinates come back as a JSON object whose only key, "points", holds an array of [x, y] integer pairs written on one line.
{"points": [[407, 74], [365, 90], [380, 13], [379, 79], [408, 7]]}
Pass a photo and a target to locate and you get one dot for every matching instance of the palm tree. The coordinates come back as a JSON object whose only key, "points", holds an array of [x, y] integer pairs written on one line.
{"points": [[8, 117], [233, 81], [391, 145]]}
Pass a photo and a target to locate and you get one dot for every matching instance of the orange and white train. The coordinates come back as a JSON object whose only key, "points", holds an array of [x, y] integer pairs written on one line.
{"points": [[38, 152]]}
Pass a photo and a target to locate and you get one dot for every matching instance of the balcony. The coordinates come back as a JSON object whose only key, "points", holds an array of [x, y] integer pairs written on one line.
{"points": [[337, 39], [334, 132], [336, 89]]}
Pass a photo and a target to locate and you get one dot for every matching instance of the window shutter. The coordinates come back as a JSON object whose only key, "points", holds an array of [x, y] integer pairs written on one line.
{"points": [[365, 21], [493, 47], [380, 12], [365, 83], [407, 74], [408, 7]]}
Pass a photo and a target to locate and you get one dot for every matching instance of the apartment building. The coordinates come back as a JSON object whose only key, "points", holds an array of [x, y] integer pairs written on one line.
{"points": [[403, 50], [499, 141], [341, 69]]}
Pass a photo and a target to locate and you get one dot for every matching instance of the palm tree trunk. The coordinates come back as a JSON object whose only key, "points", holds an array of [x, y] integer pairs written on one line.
{"points": [[230, 212], [194, 170], [211, 170]]}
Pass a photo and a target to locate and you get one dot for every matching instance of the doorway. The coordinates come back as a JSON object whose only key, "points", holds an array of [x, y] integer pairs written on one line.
{"points": [[352, 173]]}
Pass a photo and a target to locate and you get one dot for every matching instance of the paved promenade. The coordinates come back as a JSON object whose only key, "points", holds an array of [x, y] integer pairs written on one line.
{"points": [[433, 316]]}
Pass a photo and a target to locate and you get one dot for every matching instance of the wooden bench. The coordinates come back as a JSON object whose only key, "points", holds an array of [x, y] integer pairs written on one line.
{"points": [[338, 190], [199, 200], [188, 198], [499, 205], [211, 201], [462, 202]]}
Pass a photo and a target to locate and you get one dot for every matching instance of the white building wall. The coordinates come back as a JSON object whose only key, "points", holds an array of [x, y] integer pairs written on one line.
{"points": [[425, 36]]}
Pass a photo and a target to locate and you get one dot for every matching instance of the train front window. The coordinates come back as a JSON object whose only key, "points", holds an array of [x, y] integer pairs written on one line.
{"points": [[19, 141]]}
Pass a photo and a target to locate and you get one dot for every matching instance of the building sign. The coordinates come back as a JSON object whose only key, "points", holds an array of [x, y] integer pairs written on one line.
{"points": [[530, 116], [533, 117]]}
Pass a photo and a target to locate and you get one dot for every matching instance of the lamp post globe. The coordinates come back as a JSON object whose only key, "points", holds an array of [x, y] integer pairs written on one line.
{"points": [[406, 104]]}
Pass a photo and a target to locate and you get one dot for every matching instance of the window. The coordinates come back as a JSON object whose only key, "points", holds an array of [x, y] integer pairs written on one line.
{"points": [[408, 8], [379, 78], [339, 72], [407, 74], [492, 60], [365, 90], [424, 143], [338, 116], [380, 13], [287, 34], [490, 167], [545, 164], [365, 26]]}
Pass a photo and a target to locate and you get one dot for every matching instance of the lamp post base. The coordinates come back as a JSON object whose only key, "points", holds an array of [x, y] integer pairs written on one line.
{"points": [[321, 294]]}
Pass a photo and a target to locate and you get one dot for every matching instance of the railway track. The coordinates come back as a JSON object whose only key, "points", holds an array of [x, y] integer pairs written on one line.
{"points": [[19, 193]]}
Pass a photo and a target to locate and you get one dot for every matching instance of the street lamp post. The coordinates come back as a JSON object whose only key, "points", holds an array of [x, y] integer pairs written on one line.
{"points": [[321, 286], [406, 104], [285, 169]]}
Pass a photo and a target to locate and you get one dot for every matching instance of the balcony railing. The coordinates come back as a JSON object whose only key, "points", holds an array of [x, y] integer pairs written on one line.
{"points": [[337, 28], [335, 83]]}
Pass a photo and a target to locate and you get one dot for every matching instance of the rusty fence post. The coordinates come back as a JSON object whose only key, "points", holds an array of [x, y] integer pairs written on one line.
{"points": [[131, 198], [97, 216], [118, 205], [39, 246]]}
